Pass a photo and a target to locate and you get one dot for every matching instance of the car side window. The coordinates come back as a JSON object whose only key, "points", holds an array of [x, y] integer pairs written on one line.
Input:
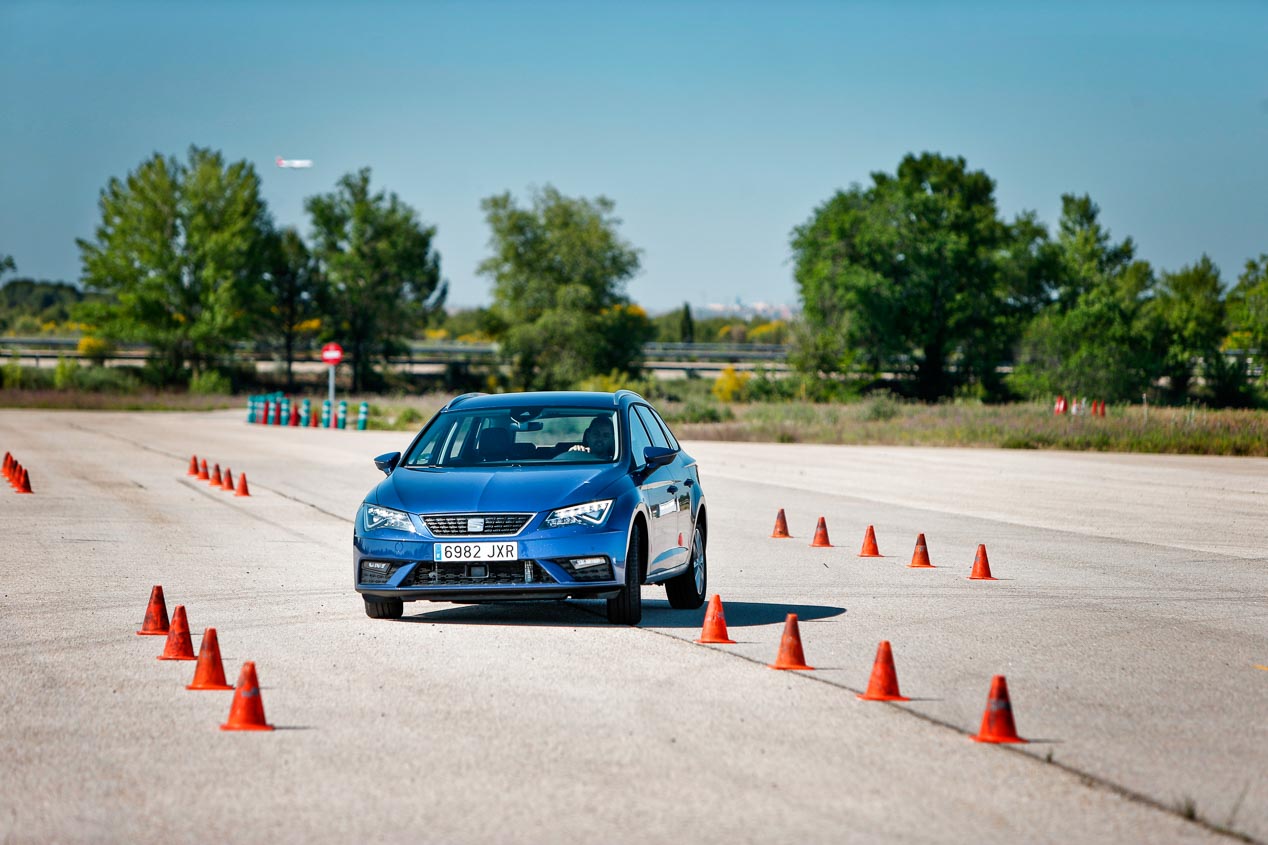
{"points": [[673, 441], [653, 429], [639, 440], [458, 439]]}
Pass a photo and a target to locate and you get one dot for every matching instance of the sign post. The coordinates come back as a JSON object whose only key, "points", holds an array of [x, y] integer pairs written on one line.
{"points": [[332, 354]]}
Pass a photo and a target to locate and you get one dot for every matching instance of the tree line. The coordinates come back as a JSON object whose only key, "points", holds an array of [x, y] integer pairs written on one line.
{"points": [[914, 280], [917, 275], [187, 259]]}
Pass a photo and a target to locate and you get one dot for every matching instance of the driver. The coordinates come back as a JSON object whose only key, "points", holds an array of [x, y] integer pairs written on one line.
{"points": [[599, 439]]}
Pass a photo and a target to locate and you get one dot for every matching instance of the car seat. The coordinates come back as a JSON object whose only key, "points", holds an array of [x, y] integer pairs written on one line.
{"points": [[494, 444]]}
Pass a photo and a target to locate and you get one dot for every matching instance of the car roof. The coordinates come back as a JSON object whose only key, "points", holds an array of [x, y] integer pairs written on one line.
{"points": [[564, 398]]}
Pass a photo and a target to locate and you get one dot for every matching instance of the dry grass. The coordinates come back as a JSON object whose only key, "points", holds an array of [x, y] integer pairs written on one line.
{"points": [[883, 421]]}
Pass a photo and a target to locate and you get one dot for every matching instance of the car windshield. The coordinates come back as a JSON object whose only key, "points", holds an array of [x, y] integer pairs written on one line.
{"points": [[537, 435]]}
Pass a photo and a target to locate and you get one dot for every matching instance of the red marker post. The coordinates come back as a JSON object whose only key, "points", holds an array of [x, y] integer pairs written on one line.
{"points": [[332, 354]]}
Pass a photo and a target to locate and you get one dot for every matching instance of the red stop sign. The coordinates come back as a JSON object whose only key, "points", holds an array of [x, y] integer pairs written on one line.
{"points": [[332, 353]]}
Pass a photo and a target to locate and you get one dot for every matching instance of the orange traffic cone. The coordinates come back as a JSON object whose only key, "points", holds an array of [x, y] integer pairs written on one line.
{"points": [[714, 630], [883, 685], [228, 480], [242, 490], [790, 654], [920, 557], [981, 566], [781, 526], [869, 544], [247, 711], [997, 720], [15, 473], [155, 623], [179, 646], [210, 671], [215, 477], [821, 535], [7, 460], [193, 466], [203, 475], [24, 483]]}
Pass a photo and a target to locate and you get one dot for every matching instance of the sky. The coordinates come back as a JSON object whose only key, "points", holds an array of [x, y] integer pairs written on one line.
{"points": [[714, 127]]}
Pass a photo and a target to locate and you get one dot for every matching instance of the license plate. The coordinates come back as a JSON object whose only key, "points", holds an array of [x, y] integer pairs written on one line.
{"points": [[475, 552]]}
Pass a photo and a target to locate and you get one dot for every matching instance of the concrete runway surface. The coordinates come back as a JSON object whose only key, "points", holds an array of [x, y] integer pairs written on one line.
{"points": [[1131, 621]]}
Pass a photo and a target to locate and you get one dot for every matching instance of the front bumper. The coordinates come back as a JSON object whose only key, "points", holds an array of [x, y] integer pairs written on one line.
{"points": [[404, 569]]}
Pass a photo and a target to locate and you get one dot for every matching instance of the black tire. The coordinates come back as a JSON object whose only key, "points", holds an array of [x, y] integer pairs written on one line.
{"points": [[378, 608], [626, 608], [687, 591]]}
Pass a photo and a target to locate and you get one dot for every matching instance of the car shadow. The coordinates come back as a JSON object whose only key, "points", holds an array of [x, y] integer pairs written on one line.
{"points": [[739, 614], [562, 614], [656, 614]]}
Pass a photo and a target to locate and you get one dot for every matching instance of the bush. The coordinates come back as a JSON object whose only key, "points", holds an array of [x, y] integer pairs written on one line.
{"points": [[18, 377], [880, 408], [696, 411], [730, 386], [64, 373], [209, 382], [614, 381], [95, 349], [410, 416], [106, 380], [13, 374]]}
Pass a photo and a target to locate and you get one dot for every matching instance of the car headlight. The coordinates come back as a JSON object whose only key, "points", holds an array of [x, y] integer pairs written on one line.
{"points": [[375, 518], [591, 513]]}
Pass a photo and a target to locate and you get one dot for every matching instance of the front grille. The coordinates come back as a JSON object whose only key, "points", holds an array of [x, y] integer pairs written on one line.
{"points": [[457, 574], [602, 572], [495, 524], [377, 576]]}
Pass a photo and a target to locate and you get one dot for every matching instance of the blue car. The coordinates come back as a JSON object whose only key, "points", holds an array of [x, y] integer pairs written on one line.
{"points": [[532, 496]]}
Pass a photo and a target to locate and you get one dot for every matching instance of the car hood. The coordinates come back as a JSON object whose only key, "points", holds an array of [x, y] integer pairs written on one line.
{"points": [[496, 490]]}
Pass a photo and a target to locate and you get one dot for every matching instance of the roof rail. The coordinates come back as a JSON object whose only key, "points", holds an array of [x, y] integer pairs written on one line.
{"points": [[457, 400], [617, 395]]}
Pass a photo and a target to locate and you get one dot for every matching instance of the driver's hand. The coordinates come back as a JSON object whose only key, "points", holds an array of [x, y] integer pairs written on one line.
{"points": [[580, 448]]}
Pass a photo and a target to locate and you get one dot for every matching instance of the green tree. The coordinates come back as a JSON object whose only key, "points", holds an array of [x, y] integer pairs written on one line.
{"points": [[558, 270], [919, 270], [1190, 306], [39, 301], [1097, 336], [291, 284], [686, 325], [1248, 309], [380, 274], [7, 264], [178, 257]]}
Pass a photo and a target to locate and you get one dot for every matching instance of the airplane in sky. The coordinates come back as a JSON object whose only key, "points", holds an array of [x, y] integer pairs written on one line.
{"points": [[294, 162]]}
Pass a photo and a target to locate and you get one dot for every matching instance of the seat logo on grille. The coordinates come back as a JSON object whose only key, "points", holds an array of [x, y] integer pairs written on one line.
{"points": [[475, 525]]}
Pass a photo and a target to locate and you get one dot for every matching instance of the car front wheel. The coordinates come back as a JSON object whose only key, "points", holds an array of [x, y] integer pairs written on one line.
{"points": [[686, 591], [626, 607], [378, 608]]}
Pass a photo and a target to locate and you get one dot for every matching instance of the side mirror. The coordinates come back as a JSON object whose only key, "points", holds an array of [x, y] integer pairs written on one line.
{"points": [[658, 456], [387, 463]]}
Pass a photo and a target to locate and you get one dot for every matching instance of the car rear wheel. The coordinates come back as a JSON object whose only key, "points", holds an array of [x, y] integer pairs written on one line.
{"points": [[626, 607], [379, 608], [686, 591]]}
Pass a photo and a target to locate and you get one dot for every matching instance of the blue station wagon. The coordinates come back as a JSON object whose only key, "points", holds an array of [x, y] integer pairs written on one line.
{"points": [[534, 496]]}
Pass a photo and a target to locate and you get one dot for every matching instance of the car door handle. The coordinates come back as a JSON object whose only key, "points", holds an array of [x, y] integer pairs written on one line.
{"points": [[673, 488]]}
